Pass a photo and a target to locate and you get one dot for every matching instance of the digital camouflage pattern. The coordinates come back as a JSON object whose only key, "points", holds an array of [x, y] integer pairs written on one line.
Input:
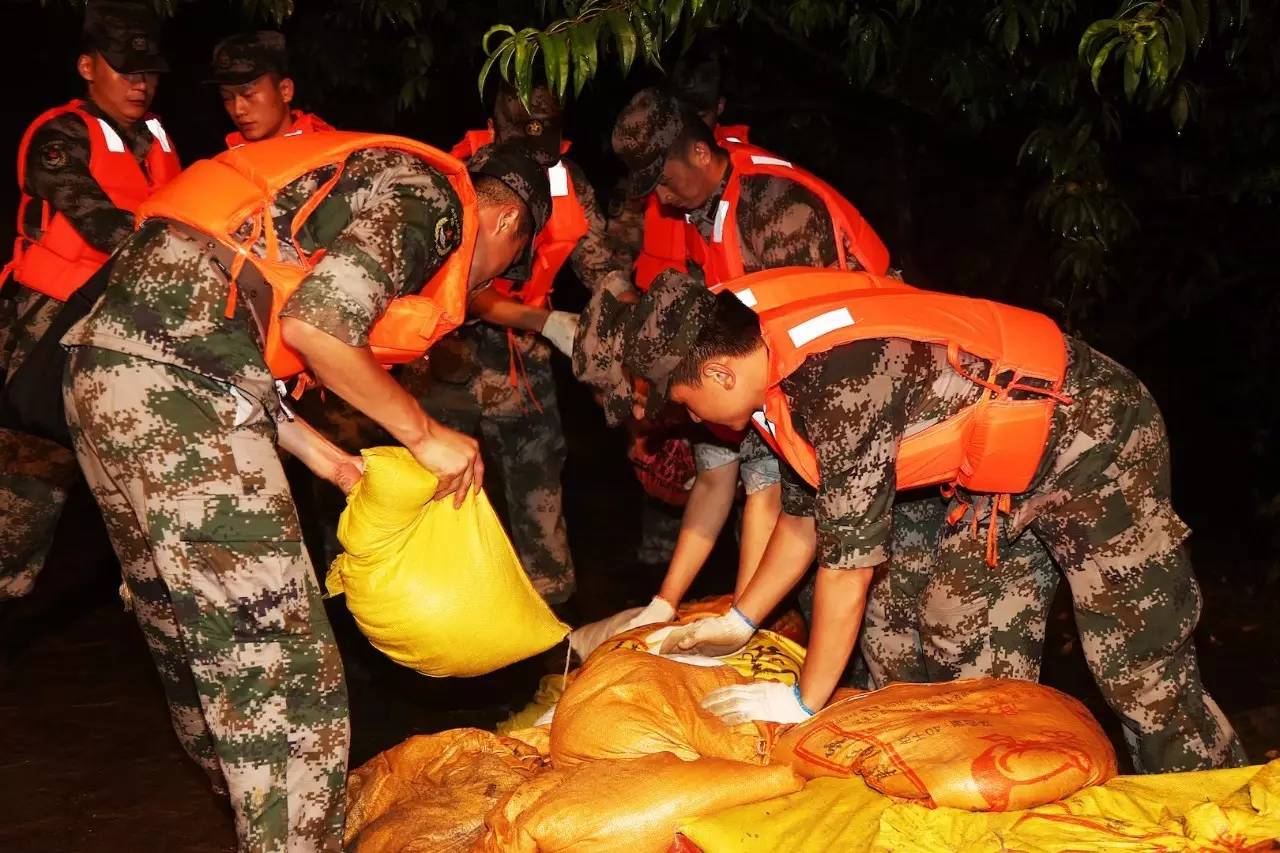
{"points": [[35, 476], [195, 500], [643, 134], [172, 412], [467, 385], [126, 34], [539, 126], [244, 57]]}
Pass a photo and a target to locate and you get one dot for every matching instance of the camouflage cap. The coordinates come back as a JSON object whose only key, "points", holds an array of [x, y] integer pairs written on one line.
{"points": [[662, 329], [512, 163], [642, 136], [244, 57], [126, 34], [540, 125]]}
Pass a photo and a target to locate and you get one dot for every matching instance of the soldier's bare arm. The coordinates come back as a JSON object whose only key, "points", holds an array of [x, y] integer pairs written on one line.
{"points": [[57, 170], [492, 306], [324, 458]]}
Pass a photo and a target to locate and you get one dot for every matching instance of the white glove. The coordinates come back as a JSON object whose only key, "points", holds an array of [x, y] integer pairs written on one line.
{"points": [[560, 329], [767, 701], [714, 637], [659, 610]]}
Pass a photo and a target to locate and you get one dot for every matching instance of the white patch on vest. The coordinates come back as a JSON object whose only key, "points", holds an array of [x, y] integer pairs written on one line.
{"points": [[114, 142], [294, 133], [157, 130], [733, 139], [558, 177], [761, 160], [816, 327], [717, 231], [688, 218], [760, 418], [746, 297]]}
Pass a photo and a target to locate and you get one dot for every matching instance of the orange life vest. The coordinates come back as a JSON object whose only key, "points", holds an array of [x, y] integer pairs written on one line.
{"points": [[552, 245], [59, 260], [721, 258], [994, 445], [216, 197], [664, 244], [299, 124]]}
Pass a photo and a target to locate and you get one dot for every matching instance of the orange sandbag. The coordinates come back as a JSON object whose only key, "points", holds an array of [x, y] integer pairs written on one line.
{"points": [[432, 792], [631, 806], [625, 704], [985, 744]]}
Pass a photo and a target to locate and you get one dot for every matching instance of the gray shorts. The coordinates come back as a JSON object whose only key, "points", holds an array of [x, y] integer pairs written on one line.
{"points": [[758, 467]]}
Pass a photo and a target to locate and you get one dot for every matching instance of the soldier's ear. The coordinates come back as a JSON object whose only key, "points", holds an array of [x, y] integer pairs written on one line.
{"points": [[84, 67], [286, 90], [721, 374], [509, 220]]}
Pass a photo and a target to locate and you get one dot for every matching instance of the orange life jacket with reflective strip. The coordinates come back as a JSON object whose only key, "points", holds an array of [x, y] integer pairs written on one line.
{"points": [[300, 123], [664, 244], [555, 242], [721, 257], [994, 445], [59, 260], [218, 196]]}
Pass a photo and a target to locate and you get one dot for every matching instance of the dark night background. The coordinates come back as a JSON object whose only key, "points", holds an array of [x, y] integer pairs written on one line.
{"points": [[1191, 305]]}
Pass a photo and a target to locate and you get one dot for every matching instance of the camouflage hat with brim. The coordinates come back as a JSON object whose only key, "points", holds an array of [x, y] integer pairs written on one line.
{"points": [[662, 330], [513, 164], [540, 125], [244, 57], [643, 134], [125, 34]]}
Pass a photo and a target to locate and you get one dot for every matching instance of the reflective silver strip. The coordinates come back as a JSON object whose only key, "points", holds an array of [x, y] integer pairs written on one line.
{"points": [[732, 139], [816, 327], [746, 297], [761, 160], [717, 231], [759, 418], [558, 177], [157, 130], [114, 142]]}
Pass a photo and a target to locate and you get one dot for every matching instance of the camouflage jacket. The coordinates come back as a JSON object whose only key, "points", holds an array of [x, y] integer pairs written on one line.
{"points": [[388, 224], [57, 171]]}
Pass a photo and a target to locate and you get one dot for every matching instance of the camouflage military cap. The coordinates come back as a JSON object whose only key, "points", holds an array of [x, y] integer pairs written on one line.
{"points": [[512, 163], [126, 34], [540, 125], [662, 329], [244, 57], [642, 136]]}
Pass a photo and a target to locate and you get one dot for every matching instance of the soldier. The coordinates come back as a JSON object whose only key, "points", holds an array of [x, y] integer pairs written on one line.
{"points": [[251, 71], [83, 169], [493, 378], [173, 405], [863, 394]]}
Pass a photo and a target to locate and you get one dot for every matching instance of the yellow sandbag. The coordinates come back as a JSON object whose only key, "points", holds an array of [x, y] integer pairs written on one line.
{"points": [[1213, 810], [626, 704], [550, 688], [630, 806], [432, 792], [983, 744], [766, 657], [434, 588]]}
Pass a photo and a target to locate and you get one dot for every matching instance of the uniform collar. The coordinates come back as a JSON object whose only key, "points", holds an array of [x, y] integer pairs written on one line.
{"points": [[705, 216]]}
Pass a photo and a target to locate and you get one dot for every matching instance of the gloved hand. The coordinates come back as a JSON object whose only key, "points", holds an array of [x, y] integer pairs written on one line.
{"points": [[714, 637], [658, 610], [560, 329], [767, 701]]}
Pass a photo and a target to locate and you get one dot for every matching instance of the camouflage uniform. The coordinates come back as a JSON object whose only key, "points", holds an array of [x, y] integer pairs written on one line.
{"points": [[497, 383], [1100, 506], [173, 414], [37, 473]]}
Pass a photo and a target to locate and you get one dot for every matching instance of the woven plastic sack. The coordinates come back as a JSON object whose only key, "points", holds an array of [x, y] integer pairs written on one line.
{"points": [[437, 589], [432, 792], [984, 744], [626, 704], [630, 806], [664, 465]]}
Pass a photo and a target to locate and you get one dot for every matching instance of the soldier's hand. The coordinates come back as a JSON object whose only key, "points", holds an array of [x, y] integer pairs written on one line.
{"points": [[560, 329], [347, 473], [714, 637], [455, 460]]}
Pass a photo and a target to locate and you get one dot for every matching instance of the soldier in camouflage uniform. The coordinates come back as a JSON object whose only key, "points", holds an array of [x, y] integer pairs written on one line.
{"points": [[120, 46], [493, 379], [1100, 504], [176, 418]]}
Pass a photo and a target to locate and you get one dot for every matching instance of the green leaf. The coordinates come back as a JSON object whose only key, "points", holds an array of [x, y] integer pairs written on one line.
{"points": [[648, 42], [489, 63], [1177, 41], [1091, 35], [1179, 109], [671, 14], [497, 28], [555, 61], [1133, 67], [1012, 32], [582, 47], [1101, 59], [1158, 62], [624, 37], [1193, 26], [525, 52]]}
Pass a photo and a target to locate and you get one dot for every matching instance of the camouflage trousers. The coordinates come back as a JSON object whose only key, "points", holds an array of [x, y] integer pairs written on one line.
{"points": [[35, 474], [1102, 512], [187, 475], [466, 385]]}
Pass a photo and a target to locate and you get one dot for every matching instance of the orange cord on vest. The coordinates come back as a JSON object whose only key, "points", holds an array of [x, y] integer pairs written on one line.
{"points": [[1002, 503], [517, 375]]}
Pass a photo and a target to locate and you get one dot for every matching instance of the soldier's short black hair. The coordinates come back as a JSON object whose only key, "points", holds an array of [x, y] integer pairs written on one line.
{"points": [[490, 190], [731, 331], [692, 131]]}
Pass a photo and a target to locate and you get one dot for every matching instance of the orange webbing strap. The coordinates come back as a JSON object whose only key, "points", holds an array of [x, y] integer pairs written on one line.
{"points": [[309, 207], [517, 375], [1002, 503], [237, 264]]}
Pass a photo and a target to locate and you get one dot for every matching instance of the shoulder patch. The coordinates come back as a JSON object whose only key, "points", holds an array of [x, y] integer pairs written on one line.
{"points": [[53, 155], [448, 232]]}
